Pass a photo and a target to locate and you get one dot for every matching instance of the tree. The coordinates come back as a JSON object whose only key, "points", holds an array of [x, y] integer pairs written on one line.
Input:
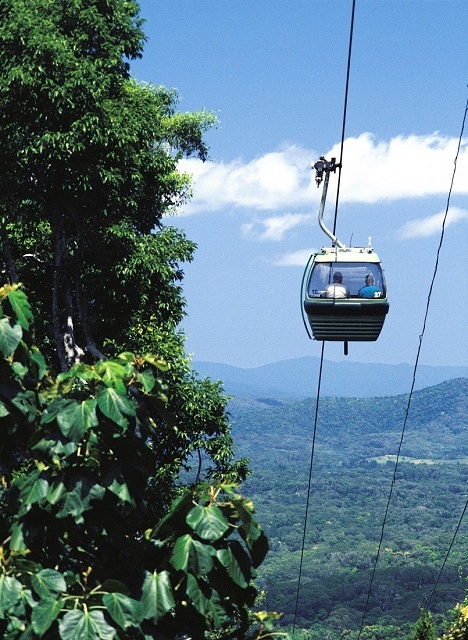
{"points": [[82, 555], [100, 537], [424, 627], [89, 167], [459, 627]]}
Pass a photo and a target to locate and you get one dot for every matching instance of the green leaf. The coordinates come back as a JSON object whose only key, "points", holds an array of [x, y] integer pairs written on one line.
{"points": [[147, 381], [3, 410], [74, 418], [208, 522], [196, 595], [17, 542], [120, 489], [48, 582], [44, 614], [208, 606], [113, 406], [112, 373], [229, 562], [39, 360], [56, 492], [157, 597], [33, 489], [10, 337], [25, 401], [19, 370], [20, 305], [125, 611], [78, 501], [191, 555], [10, 593], [85, 625]]}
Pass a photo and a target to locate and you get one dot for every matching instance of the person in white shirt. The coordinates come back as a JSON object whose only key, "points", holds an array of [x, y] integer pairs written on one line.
{"points": [[337, 289]]}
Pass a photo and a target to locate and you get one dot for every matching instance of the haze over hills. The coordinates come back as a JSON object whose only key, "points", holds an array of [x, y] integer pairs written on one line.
{"points": [[297, 378]]}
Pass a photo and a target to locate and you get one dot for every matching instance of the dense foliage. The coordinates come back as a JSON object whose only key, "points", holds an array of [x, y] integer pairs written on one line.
{"points": [[89, 167], [91, 453], [354, 458], [83, 556]]}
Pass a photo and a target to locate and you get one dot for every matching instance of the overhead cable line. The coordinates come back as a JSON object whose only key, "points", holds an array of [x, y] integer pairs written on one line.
{"points": [[452, 542], [309, 486], [410, 397], [345, 110]]}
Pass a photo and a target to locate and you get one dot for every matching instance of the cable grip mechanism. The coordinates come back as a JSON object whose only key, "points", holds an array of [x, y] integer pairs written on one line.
{"points": [[322, 166]]}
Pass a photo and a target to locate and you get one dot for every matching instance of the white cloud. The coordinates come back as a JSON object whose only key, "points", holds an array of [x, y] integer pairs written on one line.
{"points": [[295, 258], [274, 180], [275, 227], [373, 170], [424, 227]]}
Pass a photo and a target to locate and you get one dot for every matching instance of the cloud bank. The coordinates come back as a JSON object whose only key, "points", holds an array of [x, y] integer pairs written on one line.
{"points": [[424, 227], [373, 171]]}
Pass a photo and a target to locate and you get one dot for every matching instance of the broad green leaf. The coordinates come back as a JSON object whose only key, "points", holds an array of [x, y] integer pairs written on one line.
{"points": [[120, 489], [33, 489], [157, 597], [10, 337], [162, 365], [17, 542], [178, 508], [210, 608], [48, 582], [74, 418], [10, 593], [229, 562], [3, 410], [19, 370], [196, 595], [113, 406], [208, 522], [78, 501], [192, 556], [125, 611], [56, 492], [85, 625], [21, 308], [112, 374], [38, 358], [25, 401], [147, 380], [50, 413], [44, 615]]}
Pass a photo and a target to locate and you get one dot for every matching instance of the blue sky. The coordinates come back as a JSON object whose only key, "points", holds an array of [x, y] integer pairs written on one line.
{"points": [[274, 71]]}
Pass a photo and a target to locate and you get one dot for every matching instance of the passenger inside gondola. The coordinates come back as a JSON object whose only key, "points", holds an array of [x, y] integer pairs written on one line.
{"points": [[369, 290], [337, 289], [347, 281]]}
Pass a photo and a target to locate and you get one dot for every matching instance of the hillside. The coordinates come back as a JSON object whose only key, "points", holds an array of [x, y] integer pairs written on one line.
{"points": [[297, 378], [351, 480]]}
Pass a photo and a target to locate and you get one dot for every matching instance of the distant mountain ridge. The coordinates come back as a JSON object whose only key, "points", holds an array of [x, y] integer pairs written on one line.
{"points": [[297, 378]]}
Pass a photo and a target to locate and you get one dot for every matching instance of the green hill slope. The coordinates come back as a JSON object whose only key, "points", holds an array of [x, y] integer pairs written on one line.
{"points": [[351, 480]]}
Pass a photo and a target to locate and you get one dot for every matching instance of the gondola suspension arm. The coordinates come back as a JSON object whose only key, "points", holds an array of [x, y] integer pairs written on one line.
{"points": [[322, 167]]}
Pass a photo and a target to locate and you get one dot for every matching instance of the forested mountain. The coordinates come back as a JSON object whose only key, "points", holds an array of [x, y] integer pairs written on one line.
{"points": [[296, 378], [352, 474]]}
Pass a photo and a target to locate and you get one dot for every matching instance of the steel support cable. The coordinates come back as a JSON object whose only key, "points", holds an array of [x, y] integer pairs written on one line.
{"points": [[452, 542], [410, 397], [309, 487], [345, 109]]}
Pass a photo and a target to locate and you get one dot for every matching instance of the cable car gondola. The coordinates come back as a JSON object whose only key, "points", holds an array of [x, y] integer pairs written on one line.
{"points": [[344, 291]]}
